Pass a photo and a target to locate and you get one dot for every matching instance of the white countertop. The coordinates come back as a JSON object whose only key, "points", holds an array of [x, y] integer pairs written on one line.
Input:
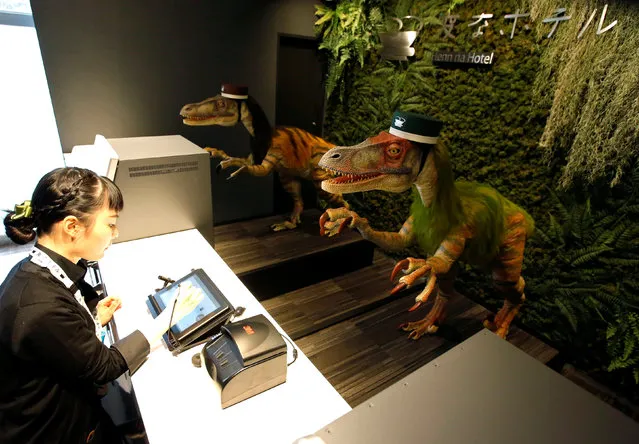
{"points": [[181, 403]]}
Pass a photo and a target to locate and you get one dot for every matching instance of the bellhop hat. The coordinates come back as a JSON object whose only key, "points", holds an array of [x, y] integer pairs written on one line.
{"points": [[234, 91], [416, 127]]}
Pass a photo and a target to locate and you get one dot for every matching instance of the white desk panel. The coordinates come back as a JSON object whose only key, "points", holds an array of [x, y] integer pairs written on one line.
{"points": [[181, 403], [484, 390]]}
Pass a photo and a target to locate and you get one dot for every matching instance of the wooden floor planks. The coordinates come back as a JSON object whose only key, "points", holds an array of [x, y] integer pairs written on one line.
{"points": [[309, 309], [251, 245]]}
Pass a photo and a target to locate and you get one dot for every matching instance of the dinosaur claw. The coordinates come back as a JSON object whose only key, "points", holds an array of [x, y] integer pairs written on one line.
{"points": [[218, 169], [343, 224], [402, 326], [398, 288], [401, 265], [322, 221], [416, 306]]}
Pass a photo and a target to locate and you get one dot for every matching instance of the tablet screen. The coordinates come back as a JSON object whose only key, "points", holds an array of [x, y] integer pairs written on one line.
{"points": [[208, 305]]}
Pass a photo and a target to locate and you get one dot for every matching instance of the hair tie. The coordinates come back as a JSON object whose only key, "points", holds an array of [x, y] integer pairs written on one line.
{"points": [[23, 210]]}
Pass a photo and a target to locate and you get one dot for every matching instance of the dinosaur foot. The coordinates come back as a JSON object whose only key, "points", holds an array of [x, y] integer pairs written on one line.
{"points": [[500, 331], [287, 225], [500, 323], [420, 328], [430, 324]]}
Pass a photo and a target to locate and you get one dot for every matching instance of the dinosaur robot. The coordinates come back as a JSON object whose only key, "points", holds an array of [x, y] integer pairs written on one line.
{"points": [[291, 152], [450, 220]]}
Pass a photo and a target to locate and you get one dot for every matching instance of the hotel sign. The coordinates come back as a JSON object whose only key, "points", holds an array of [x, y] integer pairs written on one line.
{"points": [[463, 59]]}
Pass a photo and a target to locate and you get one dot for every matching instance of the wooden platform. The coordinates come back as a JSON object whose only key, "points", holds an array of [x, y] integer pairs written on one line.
{"points": [[346, 322], [272, 263], [363, 355], [251, 245], [310, 309]]}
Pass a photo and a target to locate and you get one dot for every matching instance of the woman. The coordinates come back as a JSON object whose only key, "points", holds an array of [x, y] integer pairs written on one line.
{"points": [[52, 358]]}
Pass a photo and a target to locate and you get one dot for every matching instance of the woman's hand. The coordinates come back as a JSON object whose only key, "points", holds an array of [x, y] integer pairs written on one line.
{"points": [[106, 307], [188, 297], [185, 300]]}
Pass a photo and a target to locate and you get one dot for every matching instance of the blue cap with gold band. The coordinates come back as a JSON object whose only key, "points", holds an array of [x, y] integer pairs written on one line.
{"points": [[416, 127]]}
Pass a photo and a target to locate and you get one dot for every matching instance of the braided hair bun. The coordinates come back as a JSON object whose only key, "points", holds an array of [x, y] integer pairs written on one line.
{"points": [[21, 231], [60, 193]]}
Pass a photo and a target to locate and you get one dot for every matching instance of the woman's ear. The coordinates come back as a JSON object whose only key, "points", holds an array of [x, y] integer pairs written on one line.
{"points": [[72, 226]]}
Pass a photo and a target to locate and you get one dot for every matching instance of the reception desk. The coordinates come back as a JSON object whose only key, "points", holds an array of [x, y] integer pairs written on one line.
{"points": [[180, 403]]}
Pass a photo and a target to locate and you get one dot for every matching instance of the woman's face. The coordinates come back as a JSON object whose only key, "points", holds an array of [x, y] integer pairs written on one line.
{"points": [[97, 238]]}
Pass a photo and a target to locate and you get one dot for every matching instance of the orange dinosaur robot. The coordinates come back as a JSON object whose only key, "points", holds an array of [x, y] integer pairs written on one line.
{"points": [[292, 152]]}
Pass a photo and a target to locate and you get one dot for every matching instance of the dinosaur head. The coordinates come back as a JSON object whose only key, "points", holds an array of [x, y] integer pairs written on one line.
{"points": [[384, 162], [216, 110], [391, 161], [228, 108]]}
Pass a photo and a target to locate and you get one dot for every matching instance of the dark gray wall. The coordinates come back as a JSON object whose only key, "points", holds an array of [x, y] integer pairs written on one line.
{"points": [[124, 68]]}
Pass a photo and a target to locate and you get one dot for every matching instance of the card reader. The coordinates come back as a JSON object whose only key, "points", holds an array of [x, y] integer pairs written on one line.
{"points": [[246, 358]]}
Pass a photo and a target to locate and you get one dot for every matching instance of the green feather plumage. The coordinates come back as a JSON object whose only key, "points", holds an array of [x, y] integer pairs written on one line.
{"points": [[460, 203]]}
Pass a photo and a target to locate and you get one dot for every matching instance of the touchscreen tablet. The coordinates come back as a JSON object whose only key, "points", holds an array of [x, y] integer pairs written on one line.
{"points": [[213, 305]]}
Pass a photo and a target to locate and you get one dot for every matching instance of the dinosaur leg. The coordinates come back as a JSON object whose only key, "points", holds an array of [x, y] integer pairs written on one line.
{"points": [[294, 188], [435, 317], [507, 278]]}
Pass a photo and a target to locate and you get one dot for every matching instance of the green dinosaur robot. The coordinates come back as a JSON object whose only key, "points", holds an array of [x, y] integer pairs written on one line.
{"points": [[450, 220], [292, 152]]}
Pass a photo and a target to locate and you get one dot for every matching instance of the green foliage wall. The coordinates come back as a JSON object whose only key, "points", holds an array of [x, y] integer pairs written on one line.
{"points": [[491, 128], [493, 124]]}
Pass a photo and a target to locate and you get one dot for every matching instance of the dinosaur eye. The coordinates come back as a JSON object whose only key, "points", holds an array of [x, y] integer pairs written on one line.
{"points": [[393, 151]]}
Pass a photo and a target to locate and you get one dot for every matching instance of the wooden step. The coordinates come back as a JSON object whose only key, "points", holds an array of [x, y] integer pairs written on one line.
{"points": [[312, 308], [251, 245], [363, 355], [272, 263]]}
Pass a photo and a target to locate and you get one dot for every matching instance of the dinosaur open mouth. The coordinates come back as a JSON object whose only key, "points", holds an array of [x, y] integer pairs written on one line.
{"points": [[220, 119], [197, 121], [197, 118], [351, 178]]}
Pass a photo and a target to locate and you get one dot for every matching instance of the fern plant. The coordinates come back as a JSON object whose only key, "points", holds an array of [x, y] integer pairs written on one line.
{"points": [[623, 344], [348, 33], [583, 266], [590, 259]]}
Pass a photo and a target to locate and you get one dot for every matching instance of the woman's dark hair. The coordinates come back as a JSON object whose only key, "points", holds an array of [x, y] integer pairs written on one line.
{"points": [[60, 193]]}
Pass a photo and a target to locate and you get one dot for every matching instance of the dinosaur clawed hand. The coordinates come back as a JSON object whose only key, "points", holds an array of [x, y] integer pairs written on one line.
{"points": [[217, 153], [228, 161], [237, 162], [334, 220], [414, 269]]}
